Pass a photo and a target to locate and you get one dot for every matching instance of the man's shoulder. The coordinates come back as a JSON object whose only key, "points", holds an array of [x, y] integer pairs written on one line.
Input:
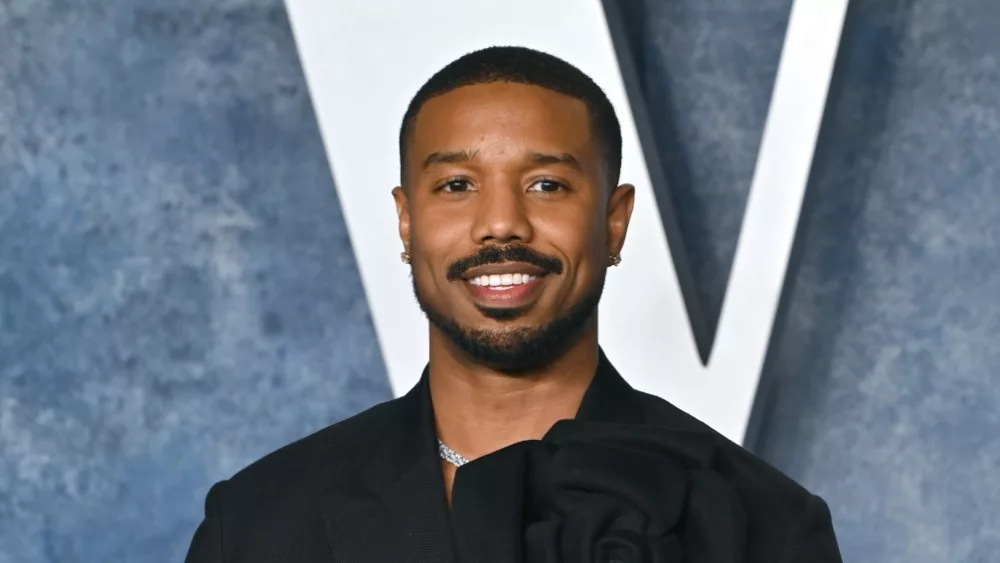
{"points": [[327, 455], [761, 486], [785, 522]]}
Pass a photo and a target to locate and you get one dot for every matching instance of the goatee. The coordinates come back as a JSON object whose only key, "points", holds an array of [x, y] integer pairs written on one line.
{"points": [[517, 349]]}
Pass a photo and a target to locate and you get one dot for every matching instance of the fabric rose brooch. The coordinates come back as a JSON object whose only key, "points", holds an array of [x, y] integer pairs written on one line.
{"points": [[593, 492]]}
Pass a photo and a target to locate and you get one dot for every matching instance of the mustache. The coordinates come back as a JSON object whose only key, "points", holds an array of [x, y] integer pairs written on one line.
{"points": [[496, 254]]}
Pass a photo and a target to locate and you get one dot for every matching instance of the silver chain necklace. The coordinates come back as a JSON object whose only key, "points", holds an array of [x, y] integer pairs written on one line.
{"points": [[451, 456]]}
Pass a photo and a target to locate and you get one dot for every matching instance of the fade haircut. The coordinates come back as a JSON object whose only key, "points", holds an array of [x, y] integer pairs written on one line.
{"points": [[522, 65]]}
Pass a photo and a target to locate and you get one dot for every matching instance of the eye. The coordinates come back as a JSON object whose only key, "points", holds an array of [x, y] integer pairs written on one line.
{"points": [[456, 185], [546, 185]]}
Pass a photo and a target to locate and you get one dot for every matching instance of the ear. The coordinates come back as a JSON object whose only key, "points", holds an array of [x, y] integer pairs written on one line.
{"points": [[619, 214], [403, 211]]}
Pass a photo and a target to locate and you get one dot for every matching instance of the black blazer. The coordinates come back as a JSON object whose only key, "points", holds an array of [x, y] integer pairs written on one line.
{"points": [[370, 489]]}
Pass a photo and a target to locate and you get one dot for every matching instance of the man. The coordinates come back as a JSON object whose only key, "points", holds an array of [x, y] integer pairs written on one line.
{"points": [[510, 215]]}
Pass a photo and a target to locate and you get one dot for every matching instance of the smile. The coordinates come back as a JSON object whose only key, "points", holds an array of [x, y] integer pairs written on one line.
{"points": [[502, 282], [507, 285]]}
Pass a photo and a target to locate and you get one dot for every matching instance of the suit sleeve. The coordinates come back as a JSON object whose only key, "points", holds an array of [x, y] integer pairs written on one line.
{"points": [[206, 546], [813, 540]]}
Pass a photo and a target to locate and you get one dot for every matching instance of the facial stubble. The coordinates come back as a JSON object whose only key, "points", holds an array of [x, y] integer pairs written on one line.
{"points": [[516, 349]]}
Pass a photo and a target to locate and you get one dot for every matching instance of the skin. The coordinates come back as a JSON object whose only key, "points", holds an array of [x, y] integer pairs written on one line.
{"points": [[491, 187]]}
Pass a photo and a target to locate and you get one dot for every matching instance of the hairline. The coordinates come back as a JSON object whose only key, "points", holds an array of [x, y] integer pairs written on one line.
{"points": [[410, 119]]}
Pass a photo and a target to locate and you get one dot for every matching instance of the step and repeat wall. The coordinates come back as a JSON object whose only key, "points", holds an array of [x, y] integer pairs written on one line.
{"points": [[180, 293]]}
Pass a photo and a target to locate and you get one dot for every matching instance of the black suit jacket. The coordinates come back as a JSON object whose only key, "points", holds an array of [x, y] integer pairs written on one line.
{"points": [[370, 489]]}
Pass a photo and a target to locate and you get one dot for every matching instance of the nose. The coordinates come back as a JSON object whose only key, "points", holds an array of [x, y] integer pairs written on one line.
{"points": [[501, 214]]}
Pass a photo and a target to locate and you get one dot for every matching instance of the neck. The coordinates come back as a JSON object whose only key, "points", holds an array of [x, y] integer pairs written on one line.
{"points": [[479, 410]]}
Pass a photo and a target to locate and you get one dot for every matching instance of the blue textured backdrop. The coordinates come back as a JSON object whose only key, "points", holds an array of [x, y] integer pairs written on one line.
{"points": [[177, 291], [178, 294]]}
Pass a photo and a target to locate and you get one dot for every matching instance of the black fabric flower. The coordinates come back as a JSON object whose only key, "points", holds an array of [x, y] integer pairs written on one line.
{"points": [[598, 493]]}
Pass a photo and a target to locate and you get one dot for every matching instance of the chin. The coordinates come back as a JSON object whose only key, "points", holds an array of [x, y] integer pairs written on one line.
{"points": [[512, 339], [515, 350]]}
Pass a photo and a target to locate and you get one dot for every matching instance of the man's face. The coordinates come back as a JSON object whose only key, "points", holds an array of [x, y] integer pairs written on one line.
{"points": [[509, 220]]}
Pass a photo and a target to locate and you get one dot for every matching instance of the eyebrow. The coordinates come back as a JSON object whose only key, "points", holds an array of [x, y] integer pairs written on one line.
{"points": [[450, 157], [561, 158]]}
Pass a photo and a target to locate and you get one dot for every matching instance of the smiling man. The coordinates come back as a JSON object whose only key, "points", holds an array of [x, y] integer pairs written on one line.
{"points": [[520, 442]]}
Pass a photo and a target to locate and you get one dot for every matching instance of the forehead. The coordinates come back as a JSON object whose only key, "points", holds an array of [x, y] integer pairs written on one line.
{"points": [[502, 116]]}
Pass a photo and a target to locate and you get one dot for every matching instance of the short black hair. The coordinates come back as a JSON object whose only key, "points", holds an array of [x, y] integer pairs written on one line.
{"points": [[523, 66]]}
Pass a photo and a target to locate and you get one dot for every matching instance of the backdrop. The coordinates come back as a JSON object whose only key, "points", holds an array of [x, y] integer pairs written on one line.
{"points": [[178, 295]]}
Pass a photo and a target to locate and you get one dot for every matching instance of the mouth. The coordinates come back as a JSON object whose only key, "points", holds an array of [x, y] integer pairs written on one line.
{"points": [[502, 282], [506, 285]]}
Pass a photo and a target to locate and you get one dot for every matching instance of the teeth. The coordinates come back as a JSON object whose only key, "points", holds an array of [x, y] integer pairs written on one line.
{"points": [[504, 281]]}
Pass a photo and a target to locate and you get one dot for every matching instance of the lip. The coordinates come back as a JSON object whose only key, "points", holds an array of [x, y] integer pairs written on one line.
{"points": [[511, 297], [504, 268]]}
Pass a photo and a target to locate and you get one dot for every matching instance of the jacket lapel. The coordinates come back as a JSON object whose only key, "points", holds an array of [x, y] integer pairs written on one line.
{"points": [[609, 398], [396, 510]]}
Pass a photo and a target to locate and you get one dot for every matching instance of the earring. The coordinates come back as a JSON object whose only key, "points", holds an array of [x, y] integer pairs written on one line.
{"points": [[404, 256], [614, 259]]}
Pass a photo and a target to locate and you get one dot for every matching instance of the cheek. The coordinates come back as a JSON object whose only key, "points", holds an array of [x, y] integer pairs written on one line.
{"points": [[580, 238], [436, 239], [436, 231]]}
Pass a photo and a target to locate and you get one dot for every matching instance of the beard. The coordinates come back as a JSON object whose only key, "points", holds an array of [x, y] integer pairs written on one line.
{"points": [[516, 349]]}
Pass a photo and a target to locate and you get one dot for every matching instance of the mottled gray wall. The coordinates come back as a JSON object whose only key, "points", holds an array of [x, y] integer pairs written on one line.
{"points": [[178, 295]]}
